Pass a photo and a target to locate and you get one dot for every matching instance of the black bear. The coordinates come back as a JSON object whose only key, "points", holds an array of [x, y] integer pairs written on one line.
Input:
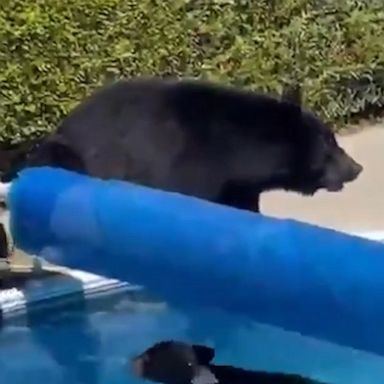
{"points": [[214, 142], [13, 158], [172, 362]]}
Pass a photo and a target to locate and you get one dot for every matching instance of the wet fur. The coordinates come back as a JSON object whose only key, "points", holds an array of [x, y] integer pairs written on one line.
{"points": [[173, 362]]}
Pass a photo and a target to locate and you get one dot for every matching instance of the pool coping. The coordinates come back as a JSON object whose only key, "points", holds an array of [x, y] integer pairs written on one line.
{"points": [[67, 283]]}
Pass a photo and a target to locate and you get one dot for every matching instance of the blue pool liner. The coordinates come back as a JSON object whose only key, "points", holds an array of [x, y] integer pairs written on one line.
{"points": [[197, 254]]}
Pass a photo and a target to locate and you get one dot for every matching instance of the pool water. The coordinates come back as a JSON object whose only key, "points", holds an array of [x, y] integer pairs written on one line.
{"points": [[79, 343]]}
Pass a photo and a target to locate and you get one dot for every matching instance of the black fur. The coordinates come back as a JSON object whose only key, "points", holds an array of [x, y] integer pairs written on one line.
{"points": [[14, 157], [171, 362], [226, 374], [4, 247], [217, 143]]}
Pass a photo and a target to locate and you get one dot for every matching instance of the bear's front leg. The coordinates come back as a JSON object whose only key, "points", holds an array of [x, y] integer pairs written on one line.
{"points": [[240, 195]]}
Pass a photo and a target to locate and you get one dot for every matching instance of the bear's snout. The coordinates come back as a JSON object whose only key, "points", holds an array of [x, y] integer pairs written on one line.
{"points": [[353, 170], [341, 169]]}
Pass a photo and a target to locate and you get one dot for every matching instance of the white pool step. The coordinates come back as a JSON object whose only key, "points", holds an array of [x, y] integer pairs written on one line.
{"points": [[41, 292]]}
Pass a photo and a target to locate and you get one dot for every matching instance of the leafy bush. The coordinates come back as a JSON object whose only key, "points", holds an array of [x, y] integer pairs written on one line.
{"points": [[53, 53]]}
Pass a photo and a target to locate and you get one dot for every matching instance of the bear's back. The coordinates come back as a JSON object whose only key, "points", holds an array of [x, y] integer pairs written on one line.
{"points": [[198, 108]]}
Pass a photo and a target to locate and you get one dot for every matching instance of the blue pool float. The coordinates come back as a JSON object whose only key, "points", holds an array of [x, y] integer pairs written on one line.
{"points": [[197, 254]]}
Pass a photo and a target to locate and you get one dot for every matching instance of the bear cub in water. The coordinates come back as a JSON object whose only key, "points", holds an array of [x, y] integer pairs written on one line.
{"points": [[217, 143], [171, 362]]}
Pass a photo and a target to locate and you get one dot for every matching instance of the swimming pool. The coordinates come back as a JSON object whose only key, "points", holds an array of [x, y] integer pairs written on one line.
{"points": [[80, 342], [282, 272]]}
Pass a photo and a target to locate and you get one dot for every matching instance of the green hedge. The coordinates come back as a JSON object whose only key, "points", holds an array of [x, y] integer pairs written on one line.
{"points": [[55, 52]]}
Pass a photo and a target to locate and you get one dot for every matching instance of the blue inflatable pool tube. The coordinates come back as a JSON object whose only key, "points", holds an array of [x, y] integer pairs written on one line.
{"points": [[196, 254]]}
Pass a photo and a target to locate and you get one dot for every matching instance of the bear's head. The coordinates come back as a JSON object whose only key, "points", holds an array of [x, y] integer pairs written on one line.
{"points": [[320, 163], [326, 165]]}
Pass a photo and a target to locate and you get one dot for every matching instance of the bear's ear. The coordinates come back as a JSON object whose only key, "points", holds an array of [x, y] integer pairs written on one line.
{"points": [[204, 355], [290, 112], [292, 94]]}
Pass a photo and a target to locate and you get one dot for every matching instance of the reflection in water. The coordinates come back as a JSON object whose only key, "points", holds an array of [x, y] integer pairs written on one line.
{"points": [[79, 360]]}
